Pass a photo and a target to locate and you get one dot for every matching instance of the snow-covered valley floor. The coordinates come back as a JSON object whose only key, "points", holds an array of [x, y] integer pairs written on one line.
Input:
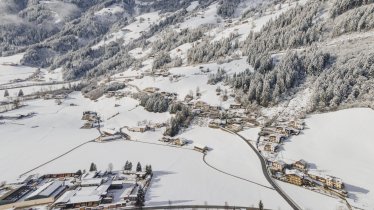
{"points": [[339, 144], [181, 175]]}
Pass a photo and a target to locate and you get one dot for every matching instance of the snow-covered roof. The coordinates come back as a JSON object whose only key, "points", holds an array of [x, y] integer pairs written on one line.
{"points": [[93, 181], [64, 198], [84, 194], [89, 175], [200, 146], [84, 199], [47, 189], [294, 172], [129, 186]]}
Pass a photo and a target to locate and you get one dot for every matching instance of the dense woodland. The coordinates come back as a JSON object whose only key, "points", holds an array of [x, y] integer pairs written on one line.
{"points": [[286, 54]]}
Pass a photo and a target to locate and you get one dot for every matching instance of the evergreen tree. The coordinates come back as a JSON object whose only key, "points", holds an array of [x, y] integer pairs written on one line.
{"points": [[6, 93], [110, 167], [93, 167], [138, 167], [140, 198], [20, 93], [260, 205], [148, 170], [126, 165], [79, 172]]}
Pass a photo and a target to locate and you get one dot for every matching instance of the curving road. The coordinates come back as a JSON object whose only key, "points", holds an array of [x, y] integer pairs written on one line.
{"points": [[247, 180], [267, 173]]}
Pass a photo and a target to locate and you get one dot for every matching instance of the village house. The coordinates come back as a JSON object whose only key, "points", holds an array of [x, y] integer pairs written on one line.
{"points": [[317, 176], [90, 116], [334, 182], [297, 124], [278, 165], [282, 130], [214, 114], [200, 148], [235, 127], [90, 124], [110, 94], [294, 177], [166, 139], [236, 106], [270, 147], [47, 96], [151, 90], [109, 132], [275, 138], [179, 142], [174, 141], [141, 129], [301, 165]]}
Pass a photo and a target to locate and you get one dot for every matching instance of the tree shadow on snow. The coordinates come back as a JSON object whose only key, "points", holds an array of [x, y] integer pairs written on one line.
{"points": [[352, 188], [167, 203], [157, 176]]}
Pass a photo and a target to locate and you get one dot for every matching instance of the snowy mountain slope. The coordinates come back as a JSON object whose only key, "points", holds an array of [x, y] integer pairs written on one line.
{"points": [[280, 59]]}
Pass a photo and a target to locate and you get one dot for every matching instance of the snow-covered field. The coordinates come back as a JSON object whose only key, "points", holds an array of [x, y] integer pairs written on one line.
{"points": [[8, 72], [181, 175], [11, 72], [132, 31], [193, 78], [340, 144], [310, 200]]}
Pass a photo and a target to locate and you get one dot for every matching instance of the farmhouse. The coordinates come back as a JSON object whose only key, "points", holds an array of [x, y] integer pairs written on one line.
{"points": [[151, 90], [235, 106], [235, 127], [140, 129], [90, 116], [179, 142], [200, 148], [109, 132], [90, 124]]}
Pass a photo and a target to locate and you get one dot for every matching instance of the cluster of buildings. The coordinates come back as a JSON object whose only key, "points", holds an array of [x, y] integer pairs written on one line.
{"points": [[272, 137], [167, 95], [234, 119], [92, 120], [116, 94], [109, 135], [298, 173], [109, 189], [174, 141]]}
